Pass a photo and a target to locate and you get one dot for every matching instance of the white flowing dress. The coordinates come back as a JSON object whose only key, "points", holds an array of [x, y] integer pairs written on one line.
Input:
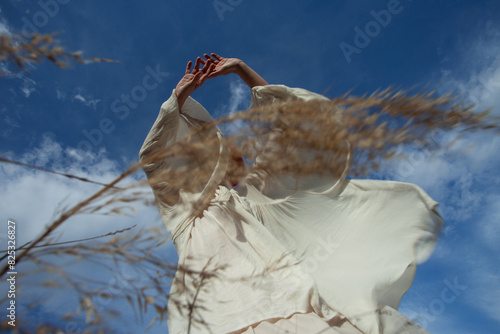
{"points": [[332, 256]]}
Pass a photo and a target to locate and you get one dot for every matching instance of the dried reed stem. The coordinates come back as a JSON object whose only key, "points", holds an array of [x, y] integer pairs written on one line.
{"points": [[38, 47]]}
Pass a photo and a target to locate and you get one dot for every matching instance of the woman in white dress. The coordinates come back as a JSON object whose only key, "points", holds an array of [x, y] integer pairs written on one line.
{"points": [[331, 255]]}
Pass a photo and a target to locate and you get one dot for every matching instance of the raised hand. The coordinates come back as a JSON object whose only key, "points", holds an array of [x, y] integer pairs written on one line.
{"points": [[191, 81], [223, 66]]}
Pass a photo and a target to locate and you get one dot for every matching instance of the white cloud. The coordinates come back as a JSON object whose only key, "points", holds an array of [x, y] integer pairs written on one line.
{"points": [[9, 69], [28, 85], [11, 121], [79, 98], [451, 174], [239, 96], [34, 198], [88, 101], [489, 229], [464, 178], [4, 27], [478, 75], [27, 91], [238, 100], [60, 95], [4, 30]]}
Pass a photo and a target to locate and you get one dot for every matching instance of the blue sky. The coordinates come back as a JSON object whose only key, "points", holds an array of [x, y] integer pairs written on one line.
{"points": [[92, 119]]}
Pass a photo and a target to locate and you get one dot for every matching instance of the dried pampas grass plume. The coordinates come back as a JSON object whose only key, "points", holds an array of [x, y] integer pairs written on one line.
{"points": [[37, 48], [319, 137]]}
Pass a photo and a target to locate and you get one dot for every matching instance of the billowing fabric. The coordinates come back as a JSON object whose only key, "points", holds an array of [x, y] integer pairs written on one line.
{"points": [[320, 253]]}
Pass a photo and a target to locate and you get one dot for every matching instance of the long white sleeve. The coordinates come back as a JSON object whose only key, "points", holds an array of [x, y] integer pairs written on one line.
{"points": [[173, 125]]}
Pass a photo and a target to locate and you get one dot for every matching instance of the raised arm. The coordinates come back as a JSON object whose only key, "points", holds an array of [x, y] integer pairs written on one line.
{"points": [[191, 81], [224, 66], [181, 117], [165, 129]]}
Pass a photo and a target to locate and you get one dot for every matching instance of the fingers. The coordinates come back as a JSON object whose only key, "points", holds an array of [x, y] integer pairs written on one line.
{"points": [[197, 65], [206, 65], [209, 57], [201, 75], [205, 76], [216, 56], [188, 67], [213, 59]]}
